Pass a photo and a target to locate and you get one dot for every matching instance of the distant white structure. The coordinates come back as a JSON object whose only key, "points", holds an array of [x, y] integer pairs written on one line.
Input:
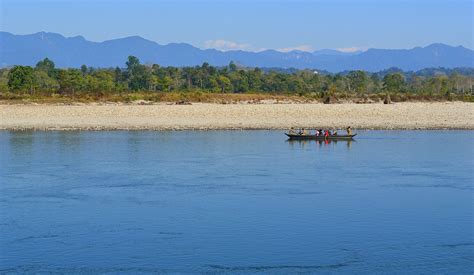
{"points": [[315, 72]]}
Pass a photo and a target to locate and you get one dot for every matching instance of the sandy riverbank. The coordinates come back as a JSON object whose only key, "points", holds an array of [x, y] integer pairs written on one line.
{"points": [[446, 115]]}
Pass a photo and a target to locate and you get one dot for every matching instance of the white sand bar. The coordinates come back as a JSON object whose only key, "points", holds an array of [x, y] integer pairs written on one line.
{"points": [[444, 115]]}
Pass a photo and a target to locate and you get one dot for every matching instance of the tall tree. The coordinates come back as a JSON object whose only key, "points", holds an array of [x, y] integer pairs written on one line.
{"points": [[139, 77], [232, 66], [84, 69], [47, 66], [132, 63]]}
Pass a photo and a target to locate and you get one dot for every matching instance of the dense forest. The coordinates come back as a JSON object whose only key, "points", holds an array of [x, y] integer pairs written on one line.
{"points": [[46, 79]]}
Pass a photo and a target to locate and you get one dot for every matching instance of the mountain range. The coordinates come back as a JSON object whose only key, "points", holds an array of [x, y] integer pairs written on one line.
{"points": [[75, 51]]}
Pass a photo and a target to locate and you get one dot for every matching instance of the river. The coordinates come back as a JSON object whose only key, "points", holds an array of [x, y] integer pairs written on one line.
{"points": [[236, 201]]}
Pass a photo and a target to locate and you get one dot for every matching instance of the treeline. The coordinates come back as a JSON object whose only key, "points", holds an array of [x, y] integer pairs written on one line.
{"points": [[46, 78]]}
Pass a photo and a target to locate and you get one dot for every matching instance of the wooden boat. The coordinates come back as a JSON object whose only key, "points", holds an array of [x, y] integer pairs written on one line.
{"points": [[314, 137]]}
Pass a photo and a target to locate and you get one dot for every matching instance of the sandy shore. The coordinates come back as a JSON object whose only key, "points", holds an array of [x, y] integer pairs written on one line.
{"points": [[448, 115]]}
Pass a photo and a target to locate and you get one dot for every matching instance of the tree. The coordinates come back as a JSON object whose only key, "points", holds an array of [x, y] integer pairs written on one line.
{"points": [[232, 66], [70, 81], [187, 74], [375, 83], [255, 79], [224, 83], [47, 66], [235, 80], [4, 80], [213, 85], [44, 81], [84, 69], [394, 82], [118, 75], [438, 85], [296, 85], [164, 83], [338, 81], [132, 63], [139, 78], [358, 81], [416, 84], [100, 81], [21, 78]]}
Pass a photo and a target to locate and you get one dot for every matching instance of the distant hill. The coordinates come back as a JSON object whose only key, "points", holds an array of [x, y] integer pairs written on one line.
{"points": [[75, 51]]}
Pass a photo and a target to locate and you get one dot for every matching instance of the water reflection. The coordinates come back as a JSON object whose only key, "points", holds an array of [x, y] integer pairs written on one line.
{"points": [[320, 143], [21, 142]]}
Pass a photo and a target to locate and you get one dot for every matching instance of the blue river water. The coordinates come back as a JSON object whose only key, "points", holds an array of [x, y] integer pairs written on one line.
{"points": [[236, 202]]}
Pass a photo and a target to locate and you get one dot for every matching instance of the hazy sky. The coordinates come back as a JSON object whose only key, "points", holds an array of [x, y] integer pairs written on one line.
{"points": [[251, 25]]}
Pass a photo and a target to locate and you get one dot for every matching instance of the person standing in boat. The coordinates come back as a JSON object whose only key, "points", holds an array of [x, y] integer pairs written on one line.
{"points": [[349, 131]]}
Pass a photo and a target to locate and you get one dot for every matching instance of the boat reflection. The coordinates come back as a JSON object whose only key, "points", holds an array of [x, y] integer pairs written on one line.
{"points": [[320, 143]]}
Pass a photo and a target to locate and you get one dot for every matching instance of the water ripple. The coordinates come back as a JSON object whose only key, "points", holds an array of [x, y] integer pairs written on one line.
{"points": [[280, 267]]}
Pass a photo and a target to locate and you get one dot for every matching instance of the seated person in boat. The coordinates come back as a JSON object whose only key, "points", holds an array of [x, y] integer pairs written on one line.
{"points": [[302, 132], [334, 133], [317, 133], [292, 131]]}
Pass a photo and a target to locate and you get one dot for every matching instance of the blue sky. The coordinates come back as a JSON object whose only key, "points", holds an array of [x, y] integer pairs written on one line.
{"points": [[251, 25]]}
